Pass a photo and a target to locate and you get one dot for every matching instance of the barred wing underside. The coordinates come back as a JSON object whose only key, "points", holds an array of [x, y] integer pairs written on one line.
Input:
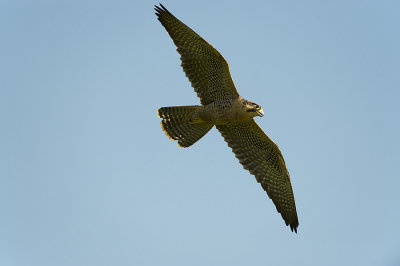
{"points": [[260, 155], [205, 67]]}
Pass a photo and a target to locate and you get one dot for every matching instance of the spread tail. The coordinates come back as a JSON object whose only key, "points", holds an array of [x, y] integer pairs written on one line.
{"points": [[176, 123]]}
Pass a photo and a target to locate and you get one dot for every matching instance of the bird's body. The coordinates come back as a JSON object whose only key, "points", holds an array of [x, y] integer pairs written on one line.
{"points": [[222, 112], [223, 107]]}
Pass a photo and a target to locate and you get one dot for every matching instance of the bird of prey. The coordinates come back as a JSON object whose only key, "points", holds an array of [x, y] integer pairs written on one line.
{"points": [[222, 106]]}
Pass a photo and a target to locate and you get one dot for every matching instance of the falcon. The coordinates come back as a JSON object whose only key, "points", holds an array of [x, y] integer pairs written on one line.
{"points": [[223, 107]]}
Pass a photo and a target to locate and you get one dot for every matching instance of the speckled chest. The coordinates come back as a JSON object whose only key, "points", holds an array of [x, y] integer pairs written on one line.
{"points": [[222, 112]]}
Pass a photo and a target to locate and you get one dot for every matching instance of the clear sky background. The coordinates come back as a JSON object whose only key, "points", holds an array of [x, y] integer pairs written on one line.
{"points": [[87, 177]]}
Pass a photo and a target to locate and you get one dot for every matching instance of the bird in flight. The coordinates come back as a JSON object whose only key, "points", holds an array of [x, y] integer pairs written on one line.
{"points": [[223, 107]]}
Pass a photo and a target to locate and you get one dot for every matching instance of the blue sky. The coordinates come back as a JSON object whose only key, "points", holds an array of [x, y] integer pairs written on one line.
{"points": [[87, 177]]}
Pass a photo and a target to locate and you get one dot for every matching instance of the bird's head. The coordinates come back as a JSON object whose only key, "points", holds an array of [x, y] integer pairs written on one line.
{"points": [[252, 109]]}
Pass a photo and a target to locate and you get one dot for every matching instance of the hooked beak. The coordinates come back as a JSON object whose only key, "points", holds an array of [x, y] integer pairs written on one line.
{"points": [[260, 112]]}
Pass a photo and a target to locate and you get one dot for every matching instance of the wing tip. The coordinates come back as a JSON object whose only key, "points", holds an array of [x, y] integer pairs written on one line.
{"points": [[161, 10], [294, 224]]}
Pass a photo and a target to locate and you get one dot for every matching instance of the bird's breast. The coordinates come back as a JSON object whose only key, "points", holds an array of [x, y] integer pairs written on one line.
{"points": [[220, 113]]}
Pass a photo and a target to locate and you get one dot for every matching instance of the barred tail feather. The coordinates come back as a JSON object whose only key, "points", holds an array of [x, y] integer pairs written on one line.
{"points": [[175, 123]]}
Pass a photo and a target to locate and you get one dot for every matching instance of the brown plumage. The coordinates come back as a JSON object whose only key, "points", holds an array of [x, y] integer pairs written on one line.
{"points": [[223, 107]]}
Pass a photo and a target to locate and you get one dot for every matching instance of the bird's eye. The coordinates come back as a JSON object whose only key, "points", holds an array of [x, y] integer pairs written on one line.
{"points": [[257, 107]]}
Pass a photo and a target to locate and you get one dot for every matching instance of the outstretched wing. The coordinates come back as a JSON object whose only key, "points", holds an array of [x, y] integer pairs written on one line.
{"points": [[260, 155], [205, 67]]}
